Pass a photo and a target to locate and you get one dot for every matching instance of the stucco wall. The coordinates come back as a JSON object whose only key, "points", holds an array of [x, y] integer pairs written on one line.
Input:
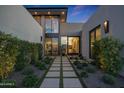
{"points": [[115, 15], [19, 22], [71, 29]]}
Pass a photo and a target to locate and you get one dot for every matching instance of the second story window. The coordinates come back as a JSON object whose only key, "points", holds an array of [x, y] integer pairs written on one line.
{"points": [[51, 24]]}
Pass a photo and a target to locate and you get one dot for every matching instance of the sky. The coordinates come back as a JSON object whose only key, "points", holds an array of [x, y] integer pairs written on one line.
{"points": [[76, 13]]}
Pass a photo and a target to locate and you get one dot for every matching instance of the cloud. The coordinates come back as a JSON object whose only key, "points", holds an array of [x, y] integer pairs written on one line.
{"points": [[75, 13]]}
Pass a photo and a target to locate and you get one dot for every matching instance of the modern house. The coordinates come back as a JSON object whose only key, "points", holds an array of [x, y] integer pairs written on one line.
{"points": [[58, 35], [49, 26]]}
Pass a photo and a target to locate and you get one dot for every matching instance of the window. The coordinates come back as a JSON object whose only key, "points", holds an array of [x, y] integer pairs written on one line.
{"points": [[51, 24], [73, 45], [95, 34]]}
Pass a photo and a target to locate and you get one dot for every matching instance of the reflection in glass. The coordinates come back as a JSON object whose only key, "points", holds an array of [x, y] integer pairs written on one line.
{"points": [[51, 24], [94, 35]]}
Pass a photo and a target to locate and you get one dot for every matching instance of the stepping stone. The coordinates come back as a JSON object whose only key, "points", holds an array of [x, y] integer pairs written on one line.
{"points": [[67, 68], [50, 83], [55, 64], [66, 64], [53, 74], [69, 74], [71, 83], [55, 68]]}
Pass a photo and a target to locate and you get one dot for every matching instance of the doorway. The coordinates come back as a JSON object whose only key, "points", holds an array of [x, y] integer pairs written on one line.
{"points": [[51, 46], [70, 44]]}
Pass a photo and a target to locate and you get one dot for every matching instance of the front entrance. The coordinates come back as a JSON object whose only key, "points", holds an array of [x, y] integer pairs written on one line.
{"points": [[70, 44], [51, 46]]}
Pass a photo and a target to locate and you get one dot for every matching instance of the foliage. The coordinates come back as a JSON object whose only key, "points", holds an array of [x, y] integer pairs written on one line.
{"points": [[79, 66], [30, 81], [47, 60], [108, 79], [40, 65], [84, 74], [76, 62], [16, 53], [8, 53], [107, 54]]}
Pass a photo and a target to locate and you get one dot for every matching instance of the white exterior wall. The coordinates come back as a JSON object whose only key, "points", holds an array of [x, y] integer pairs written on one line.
{"points": [[18, 21], [70, 29], [115, 16]]}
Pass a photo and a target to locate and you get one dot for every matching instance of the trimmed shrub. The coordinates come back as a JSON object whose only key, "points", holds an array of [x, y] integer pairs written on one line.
{"points": [[40, 65], [84, 74], [107, 54], [79, 66], [108, 79], [84, 64], [30, 81], [76, 62], [8, 53]]}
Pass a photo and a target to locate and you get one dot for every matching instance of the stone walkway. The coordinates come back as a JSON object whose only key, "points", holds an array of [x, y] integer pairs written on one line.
{"points": [[61, 74]]}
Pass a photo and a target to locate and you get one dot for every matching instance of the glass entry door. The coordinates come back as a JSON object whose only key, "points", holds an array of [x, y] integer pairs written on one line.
{"points": [[73, 45], [64, 44], [51, 46]]}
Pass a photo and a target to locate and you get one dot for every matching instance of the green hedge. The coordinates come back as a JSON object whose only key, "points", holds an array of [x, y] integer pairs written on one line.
{"points": [[16, 53], [107, 54]]}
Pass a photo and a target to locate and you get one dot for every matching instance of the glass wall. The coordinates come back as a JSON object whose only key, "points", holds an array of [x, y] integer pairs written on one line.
{"points": [[51, 24], [51, 46], [48, 46], [73, 45], [64, 44], [95, 34]]}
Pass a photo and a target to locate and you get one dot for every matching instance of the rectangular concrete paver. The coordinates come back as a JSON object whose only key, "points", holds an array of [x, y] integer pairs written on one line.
{"points": [[67, 68], [69, 74], [53, 74], [71, 83], [55, 68], [50, 83]]}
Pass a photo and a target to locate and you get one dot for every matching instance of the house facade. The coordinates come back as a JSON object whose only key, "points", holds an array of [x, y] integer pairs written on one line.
{"points": [[59, 36], [49, 26]]}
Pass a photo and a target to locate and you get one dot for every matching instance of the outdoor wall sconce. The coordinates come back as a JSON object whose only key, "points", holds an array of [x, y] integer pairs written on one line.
{"points": [[106, 26]]}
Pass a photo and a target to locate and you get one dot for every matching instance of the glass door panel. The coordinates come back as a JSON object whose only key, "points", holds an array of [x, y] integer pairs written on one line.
{"points": [[48, 46], [64, 44], [73, 45], [54, 46]]}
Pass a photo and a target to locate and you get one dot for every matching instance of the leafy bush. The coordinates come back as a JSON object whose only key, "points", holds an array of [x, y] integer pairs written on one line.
{"points": [[108, 79], [107, 54], [84, 74], [28, 71], [16, 53], [79, 66], [40, 65], [76, 62], [90, 69], [30, 81], [84, 64], [8, 53]]}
